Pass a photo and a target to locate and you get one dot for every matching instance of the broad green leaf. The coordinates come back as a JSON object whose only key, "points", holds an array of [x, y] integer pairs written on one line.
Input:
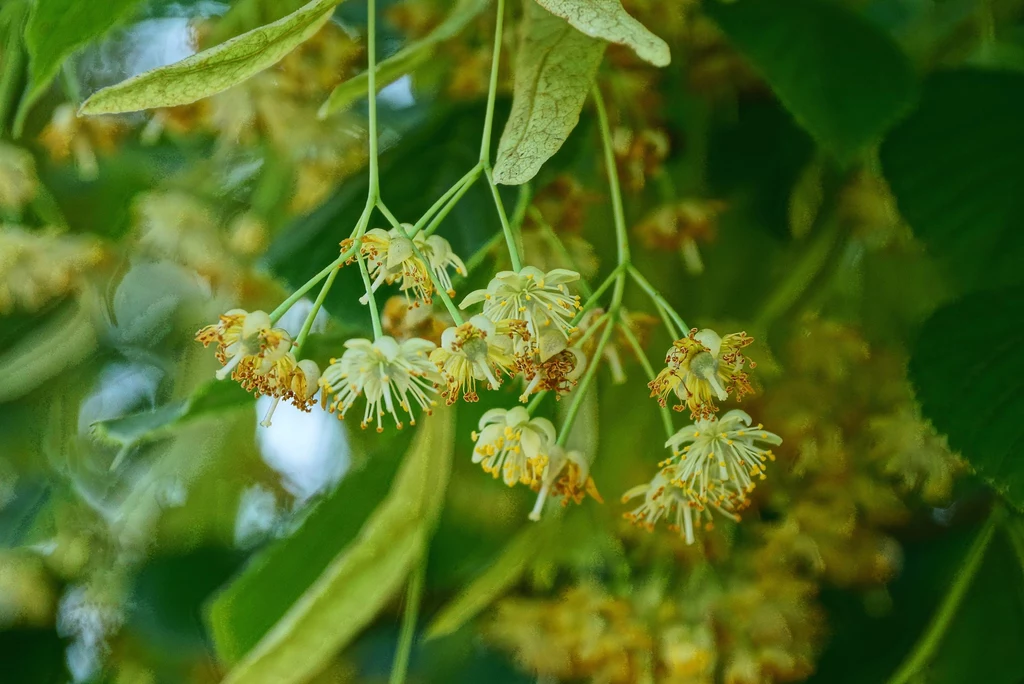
{"points": [[405, 60], [365, 575], [56, 28], [212, 397], [61, 342], [607, 20], [555, 68], [969, 377], [504, 572], [956, 167], [841, 77], [212, 71]]}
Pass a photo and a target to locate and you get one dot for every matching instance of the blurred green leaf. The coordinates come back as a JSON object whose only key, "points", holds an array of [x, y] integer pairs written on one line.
{"points": [[555, 68], [841, 77], [214, 70], [211, 397], [980, 643], [361, 578], [956, 166], [405, 60], [969, 378], [607, 20], [56, 28], [502, 574], [62, 341]]}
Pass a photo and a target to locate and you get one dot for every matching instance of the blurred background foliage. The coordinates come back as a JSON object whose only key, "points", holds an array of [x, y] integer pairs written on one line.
{"points": [[841, 178]]}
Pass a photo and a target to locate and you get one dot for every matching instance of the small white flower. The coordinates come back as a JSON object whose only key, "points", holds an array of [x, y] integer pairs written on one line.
{"points": [[537, 298], [662, 499], [512, 444], [472, 352], [718, 458], [565, 474], [389, 373], [392, 258]]}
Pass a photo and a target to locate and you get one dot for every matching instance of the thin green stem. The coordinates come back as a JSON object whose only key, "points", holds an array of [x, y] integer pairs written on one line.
{"points": [[666, 413], [930, 641], [592, 330], [441, 208], [282, 309], [553, 238], [595, 298], [657, 298], [510, 238], [535, 402], [619, 214], [413, 597], [311, 316], [479, 255], [387, 214], [492, 88], [439, 288], [581, 389], [371, 75], [378, 331], [69, 77]]}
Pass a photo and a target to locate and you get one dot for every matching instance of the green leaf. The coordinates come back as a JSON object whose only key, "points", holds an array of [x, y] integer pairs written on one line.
{"points": [[212, 397], [214, 70], [555, 68], [61, 342], [956, 167], [504, 572], [969, 377], [607, 20], [55, 29], [841, 77], [406, 60], [362, 577]]}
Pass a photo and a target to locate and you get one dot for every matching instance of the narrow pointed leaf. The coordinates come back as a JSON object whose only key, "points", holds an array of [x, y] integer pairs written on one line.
{"points": [[217, 69], [555, 68], [607, 20], [365, 575]]}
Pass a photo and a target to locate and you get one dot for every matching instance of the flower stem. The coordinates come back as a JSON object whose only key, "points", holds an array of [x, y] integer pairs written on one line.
{"points": [[510, 238], [479, 255], [282, 309], [492, 88], [371, 75], [657, 298], [581, 389], [621, 236], [666, 413], [443, 206], [311, 316], [594, 299], [413, 597], [378, 332], [930, 641]]}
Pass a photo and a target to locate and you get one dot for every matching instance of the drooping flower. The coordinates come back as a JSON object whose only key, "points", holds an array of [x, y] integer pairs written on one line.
{"points": [[703, 367], [566, 474], [392, 258], [294, 381], [390, 374], [477, 350], [239, 334], [718, 459], [537, 298], [513, 445], [558, 374]]}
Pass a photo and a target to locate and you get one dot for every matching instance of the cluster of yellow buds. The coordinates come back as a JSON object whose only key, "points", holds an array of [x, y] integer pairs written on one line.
{"points": [[259, 357]]}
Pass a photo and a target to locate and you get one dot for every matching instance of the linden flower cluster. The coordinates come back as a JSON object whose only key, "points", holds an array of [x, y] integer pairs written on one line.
{"points": [[259, 357], [715, 462], [524, 327]]}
